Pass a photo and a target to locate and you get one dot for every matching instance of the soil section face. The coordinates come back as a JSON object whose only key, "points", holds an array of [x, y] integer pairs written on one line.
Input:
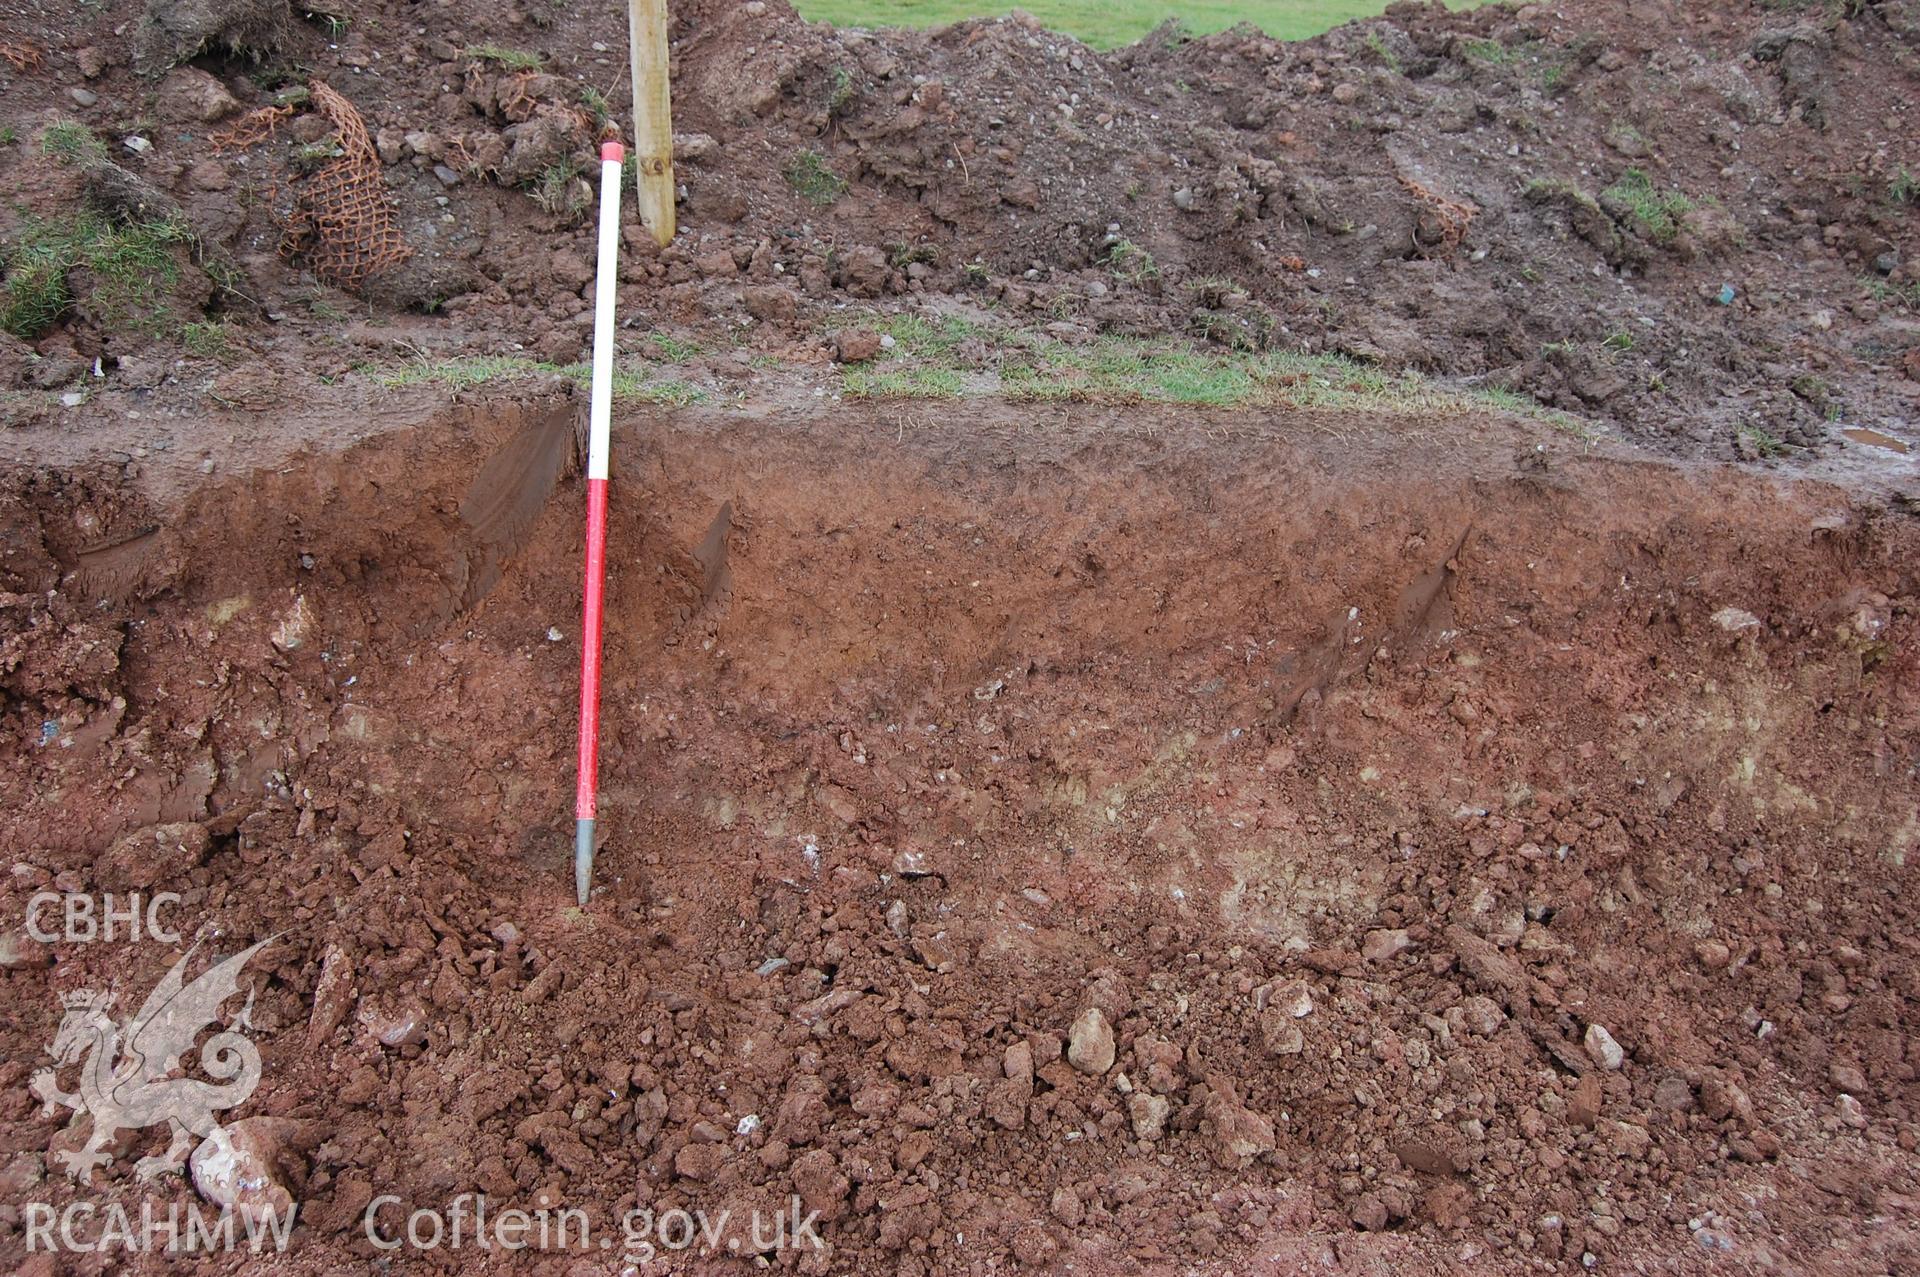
{"points": [[1106, 840]]}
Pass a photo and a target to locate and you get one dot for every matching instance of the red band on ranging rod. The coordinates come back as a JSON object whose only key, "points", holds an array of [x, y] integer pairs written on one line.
{"points": [[584, 801]]}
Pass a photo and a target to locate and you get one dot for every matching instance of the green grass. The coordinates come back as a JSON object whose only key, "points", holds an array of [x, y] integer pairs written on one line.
{"points": [[938, 339], [71, 142], [1128, 261], [1903, 187], [1495, 52], [1763, 442], [131, 266], [1106, 24], [927, 362], [1905, 295], [630, 385], [816, 183], [511, 59], [1655, 213], [669, 349], [209, 340], [597, 105], [556, 192]]}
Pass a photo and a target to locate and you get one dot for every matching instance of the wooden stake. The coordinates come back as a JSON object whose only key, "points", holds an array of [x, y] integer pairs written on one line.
{"points": [[652, 115]]}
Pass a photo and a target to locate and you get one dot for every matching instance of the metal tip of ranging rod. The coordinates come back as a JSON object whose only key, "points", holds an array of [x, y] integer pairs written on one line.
{"points": [[583, 859]]}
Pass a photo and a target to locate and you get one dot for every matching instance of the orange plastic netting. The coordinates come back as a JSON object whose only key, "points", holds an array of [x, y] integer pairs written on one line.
{"points": [[342, 220]]}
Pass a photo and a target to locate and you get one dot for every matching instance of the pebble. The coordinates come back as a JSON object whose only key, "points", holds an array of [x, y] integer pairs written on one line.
{"points": [[1483, 1015], [446, 175], [1384, 945], [236, 1168], [83, 97], [1851, 1114], [17, 950], [1293, 999], [1090, 1042], [1148, 1114], [1712, 954], [1605, 1051], [293, 629]]}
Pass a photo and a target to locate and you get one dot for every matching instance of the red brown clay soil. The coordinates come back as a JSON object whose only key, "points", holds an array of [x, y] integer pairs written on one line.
{"points": [[1040, 837], [1352, 773]]}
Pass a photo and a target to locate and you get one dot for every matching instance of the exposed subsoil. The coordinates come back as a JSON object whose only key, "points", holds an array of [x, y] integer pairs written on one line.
{"points": [[1487, 851], [1352, 773]]}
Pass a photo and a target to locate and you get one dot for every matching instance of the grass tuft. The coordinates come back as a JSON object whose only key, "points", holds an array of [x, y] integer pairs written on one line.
{"points": [[511, 59], [209, 340], [1903, 187], [73, 143], [558, 194], [131, 265], [902, 383], [1130, 262], [1656, 213], [813, 180], [463, 372]]}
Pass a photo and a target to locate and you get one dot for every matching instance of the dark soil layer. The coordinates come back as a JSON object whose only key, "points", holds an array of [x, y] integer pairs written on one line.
{"points": [[1352, 779], [1691, 221]]}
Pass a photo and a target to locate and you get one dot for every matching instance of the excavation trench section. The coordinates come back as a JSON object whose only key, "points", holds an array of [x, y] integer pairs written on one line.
{"points": [[1351, 779]]}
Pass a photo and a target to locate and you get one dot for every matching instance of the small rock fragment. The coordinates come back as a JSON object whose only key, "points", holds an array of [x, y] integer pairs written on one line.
{"points": [[243, 1167], [1851, 1113], [159, 855], [1483, 1015], [332, 994], [1279, 1034], [1384, 945], [1236, 1134], [1090, 1042], [855, 346], [1148, 1114], [1604, 1050]]}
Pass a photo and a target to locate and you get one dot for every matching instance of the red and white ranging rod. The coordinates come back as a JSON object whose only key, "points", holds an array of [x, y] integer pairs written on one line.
{"points": [[606, 284]]}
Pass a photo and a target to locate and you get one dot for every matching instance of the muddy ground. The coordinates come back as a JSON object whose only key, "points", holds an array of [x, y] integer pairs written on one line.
{"points": [[1037, 836], [1692, 222]]}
